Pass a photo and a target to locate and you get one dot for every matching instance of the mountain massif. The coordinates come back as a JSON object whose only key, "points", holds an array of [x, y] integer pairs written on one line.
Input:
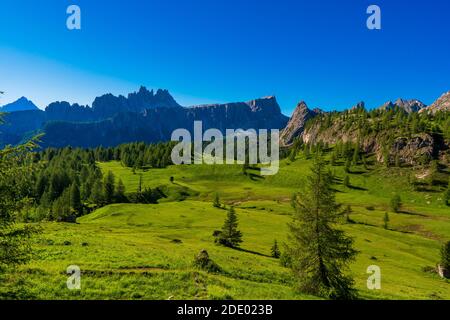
{"points": [[141, 116], [151, 117]]}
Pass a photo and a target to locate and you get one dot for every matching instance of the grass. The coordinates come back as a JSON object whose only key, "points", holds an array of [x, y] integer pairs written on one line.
{"points": [[134, 251]]}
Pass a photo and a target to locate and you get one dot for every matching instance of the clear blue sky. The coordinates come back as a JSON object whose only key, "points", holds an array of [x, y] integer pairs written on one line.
{"points": [[227, 50]]}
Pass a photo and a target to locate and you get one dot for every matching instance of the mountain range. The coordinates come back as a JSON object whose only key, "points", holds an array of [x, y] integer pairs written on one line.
{"points": [[141, 116], [151, 116]]}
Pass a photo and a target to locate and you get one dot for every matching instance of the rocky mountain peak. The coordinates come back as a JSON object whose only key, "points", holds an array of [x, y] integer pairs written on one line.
{"points": [[296, 123], [265, 104], [441, 104], [359, 105], [21, 104], [408, 105]]}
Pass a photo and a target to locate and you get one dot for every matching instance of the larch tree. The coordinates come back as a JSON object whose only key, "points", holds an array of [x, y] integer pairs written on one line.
{"points": [[319, 251]]}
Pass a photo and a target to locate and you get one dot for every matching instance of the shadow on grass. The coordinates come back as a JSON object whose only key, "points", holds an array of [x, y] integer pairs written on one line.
{"points": [[411, 213], [357, 188], [252, 252]]}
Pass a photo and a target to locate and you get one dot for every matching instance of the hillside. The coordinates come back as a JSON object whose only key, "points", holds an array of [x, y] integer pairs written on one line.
{"points": [[145, 251]]}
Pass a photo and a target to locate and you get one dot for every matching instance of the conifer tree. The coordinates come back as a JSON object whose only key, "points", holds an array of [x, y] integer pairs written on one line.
{"points": [[120, 192], [230, 235], [97, 193], [275, 250], [216, 203], [75, 198], [109, 188], [319, 252], [445, 255], [386, 220]]}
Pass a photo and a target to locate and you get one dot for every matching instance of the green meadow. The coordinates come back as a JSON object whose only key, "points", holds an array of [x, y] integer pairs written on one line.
{"points": [[146, 251]]}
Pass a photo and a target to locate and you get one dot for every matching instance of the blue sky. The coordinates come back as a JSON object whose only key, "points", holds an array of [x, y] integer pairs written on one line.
{"points": [[226, 50]]}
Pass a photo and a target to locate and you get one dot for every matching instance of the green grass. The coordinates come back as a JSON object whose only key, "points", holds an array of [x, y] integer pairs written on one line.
{"points": [[129, 250]]}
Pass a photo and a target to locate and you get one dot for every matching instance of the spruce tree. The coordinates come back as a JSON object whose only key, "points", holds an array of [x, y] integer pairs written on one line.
{"points": [[275, 250], [97, 193], [445, 255], [386, 220], [230, 235], [75, 198], [216, 203], [109, 188], [320, 253], [120, 192]]}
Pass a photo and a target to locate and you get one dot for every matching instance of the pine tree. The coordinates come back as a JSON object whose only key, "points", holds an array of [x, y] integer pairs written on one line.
{"points": [[97, 195], [216, 203], [275, 250], [386, 220], [75, 198], [109, 188], [230, 235], [445, 255], [120, 192], [320, 253]]}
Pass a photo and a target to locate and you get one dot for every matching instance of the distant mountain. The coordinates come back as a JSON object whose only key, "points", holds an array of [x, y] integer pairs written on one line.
{"points": [[22, 104], [441, 104], [409, 106], [141, 116], [109, 105], [157, 124]]}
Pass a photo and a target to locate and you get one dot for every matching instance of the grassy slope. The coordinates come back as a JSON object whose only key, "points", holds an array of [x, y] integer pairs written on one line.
{"points": [[130, 251]]}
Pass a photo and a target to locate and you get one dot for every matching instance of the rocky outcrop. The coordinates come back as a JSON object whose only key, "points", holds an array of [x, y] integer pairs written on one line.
{"points": [[296, 124], [109, 105], [409, 106], [412, 150], [64, 111], [441, 104]]}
